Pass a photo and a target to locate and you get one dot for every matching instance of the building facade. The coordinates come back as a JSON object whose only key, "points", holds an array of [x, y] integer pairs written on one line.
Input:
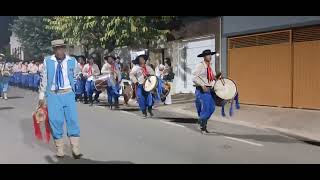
{"points": [[16, 49], [273, 59]]}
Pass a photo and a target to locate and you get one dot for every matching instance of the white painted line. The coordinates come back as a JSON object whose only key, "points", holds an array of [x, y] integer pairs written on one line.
{"points": [[130, 113], [244, 141], [173, 124]]}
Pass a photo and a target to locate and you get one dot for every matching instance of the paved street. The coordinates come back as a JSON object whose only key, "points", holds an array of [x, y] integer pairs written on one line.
{"points": [[122, 136]]}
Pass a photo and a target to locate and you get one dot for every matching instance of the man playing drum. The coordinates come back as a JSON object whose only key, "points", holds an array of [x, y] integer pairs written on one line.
{"points": [[81, 81], [89, 71], [203, 78], [112, 70], [138, 76]]}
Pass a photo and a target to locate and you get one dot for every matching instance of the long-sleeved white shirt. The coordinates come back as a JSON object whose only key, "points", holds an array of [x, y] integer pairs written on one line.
{"points": [[200, 75], [113, 73], [136, 74], [95, 70]]}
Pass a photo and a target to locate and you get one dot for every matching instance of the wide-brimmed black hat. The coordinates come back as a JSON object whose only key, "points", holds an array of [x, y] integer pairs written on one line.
{"points": [[107, 56], [206, 52], [136, 61]]}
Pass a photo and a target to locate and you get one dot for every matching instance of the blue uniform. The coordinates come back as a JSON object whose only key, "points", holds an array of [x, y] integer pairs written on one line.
{"points": [[61, 105], [205, 105]]}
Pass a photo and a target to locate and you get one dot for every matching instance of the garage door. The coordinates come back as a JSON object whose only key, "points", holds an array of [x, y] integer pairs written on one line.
{"points": [[306, 50], [261, 65]]}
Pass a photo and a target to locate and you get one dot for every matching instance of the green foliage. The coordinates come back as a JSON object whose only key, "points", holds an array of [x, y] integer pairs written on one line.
{"points": [[109, 32], [32, 32]]}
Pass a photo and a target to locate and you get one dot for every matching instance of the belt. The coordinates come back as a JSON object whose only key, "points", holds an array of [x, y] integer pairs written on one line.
{"points": [[62, 91]]}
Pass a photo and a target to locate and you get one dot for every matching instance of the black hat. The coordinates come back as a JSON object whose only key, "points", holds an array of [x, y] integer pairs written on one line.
{"points": [[136, 61], [107, 56], [206, 52]]}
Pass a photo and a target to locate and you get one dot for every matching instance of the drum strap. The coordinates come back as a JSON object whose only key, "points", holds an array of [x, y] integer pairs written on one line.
{"points": [[90, 70]]}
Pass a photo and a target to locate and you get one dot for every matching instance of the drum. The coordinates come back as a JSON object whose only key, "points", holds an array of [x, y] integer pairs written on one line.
{"points": [[150, 83], [126, 89], [165, 91], [225, 89], [101, 82]]}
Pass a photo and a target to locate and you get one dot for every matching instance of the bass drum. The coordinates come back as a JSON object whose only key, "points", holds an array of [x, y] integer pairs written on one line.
{"points": [[126, 89], [225, 89], [150, 83], [101, 82]]}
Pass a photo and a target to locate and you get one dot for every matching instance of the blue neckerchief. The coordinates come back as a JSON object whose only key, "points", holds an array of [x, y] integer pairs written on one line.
{"points": [[59, 76]]}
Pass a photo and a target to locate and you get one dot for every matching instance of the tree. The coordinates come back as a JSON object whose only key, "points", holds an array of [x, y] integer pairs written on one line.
{"points": [[109, 32], [33, 35]]}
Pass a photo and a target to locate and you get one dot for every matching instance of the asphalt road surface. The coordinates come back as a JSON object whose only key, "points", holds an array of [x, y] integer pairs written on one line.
{"points": [[123, 136]]}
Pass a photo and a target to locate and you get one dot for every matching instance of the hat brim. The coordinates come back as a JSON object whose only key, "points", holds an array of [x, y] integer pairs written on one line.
{"points": [[206, 54], [59, 45]]}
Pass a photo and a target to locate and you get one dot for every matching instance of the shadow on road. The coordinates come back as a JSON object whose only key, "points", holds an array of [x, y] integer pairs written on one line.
{"points": [[15, 97], [26, 126], [256, 137], [6, 108], [70, 160], [179, 120]]}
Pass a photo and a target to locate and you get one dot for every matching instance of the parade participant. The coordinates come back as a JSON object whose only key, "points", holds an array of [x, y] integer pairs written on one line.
{"points": [[35, 76], [89, 71], [203, 77], [30, 75], [24, 76], [138, 75], [2, 56], [6, 72], [16, 73], [168, 77], [81, 81], [125, 76], [111, 69], [57, 86]]}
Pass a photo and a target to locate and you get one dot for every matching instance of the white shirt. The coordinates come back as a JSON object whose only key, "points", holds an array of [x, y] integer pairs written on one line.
{"points": [[64, 64]]}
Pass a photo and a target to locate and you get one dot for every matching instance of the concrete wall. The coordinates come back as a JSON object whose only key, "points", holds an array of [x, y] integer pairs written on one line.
{"points": [[241, 25]]}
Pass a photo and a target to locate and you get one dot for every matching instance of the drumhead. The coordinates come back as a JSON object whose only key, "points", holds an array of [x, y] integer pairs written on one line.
{"points": [[227, 91], [150, 83]]}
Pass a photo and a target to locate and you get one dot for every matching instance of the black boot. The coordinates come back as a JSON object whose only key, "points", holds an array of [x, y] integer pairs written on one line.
{"points": [[90, 101], [85, 97], [144, 113], [150, 112], [203, 127]]}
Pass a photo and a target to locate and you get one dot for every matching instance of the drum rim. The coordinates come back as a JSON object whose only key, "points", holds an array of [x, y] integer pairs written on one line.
{"points": [[235, 86], [155, 84]]}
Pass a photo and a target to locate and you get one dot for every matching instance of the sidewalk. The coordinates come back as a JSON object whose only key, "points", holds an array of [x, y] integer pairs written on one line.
{"points": [[297, 123]]}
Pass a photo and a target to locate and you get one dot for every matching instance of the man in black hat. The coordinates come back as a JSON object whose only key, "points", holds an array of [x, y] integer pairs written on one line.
{"points": [[111, 69], [203, 78], [138, 75]]}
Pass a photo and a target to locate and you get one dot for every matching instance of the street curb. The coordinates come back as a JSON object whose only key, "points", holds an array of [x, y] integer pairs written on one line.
{"points": [[283, 131]]}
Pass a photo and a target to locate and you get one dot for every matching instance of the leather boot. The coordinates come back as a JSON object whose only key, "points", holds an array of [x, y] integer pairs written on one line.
{"points": [[59, 143], [75, 145]]}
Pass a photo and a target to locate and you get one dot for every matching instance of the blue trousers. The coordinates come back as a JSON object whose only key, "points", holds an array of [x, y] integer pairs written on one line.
{"points": [[4, 84], [62, 107], [113, 94], [36, 81], [80, 86], [144, 98], [90, 89], [11, 81], [24, 80], [17, 78], [205, 105], [30, 80]]}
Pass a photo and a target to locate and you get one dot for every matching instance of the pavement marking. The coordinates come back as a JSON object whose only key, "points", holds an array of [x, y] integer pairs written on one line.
{"points": [[244, 141], [130, 113], [173, 124]]}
